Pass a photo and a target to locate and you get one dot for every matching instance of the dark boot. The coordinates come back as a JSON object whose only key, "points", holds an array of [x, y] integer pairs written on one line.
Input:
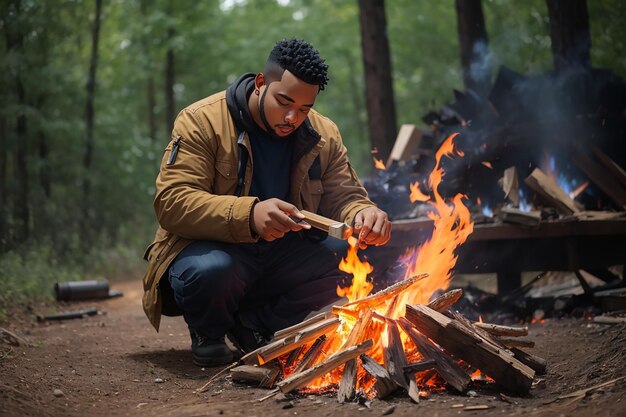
{"points": [[209, 352], [245, 338]]}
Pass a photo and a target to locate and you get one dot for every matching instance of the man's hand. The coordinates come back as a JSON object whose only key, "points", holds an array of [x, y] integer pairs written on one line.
{"points": [[270, 219], [373, 227]]}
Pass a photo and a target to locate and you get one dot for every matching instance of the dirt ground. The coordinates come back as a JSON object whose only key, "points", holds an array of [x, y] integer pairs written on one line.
{"points": [[115, 364]]}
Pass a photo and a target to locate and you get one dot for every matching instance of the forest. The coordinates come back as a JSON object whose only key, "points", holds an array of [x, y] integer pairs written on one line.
{"points": [[90, 89]]}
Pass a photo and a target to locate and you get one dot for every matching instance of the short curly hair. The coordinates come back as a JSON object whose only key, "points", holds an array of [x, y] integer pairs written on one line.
{"points": [[301, 59]]}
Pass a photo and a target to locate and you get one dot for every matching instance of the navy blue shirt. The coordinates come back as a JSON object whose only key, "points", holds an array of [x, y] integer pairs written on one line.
{"points": [[271, 175]]}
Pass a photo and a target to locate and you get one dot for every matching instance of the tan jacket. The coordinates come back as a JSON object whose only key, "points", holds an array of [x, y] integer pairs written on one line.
{"points": [[195, 194]]}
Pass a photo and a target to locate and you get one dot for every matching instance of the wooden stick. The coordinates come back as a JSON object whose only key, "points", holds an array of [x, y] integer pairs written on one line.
{"points": [[617, 171], [498, 330], [447, 367], [384, 384], [293, 341], [338, 311], [299, 380], [387, 293], [214, 377], [603, 178], [463, 344], [581, 393], [446, 300], [306, 323], [270, 395]]}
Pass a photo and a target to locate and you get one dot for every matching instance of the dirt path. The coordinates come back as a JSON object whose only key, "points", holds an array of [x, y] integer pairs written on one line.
{"points": [[116, 365]]}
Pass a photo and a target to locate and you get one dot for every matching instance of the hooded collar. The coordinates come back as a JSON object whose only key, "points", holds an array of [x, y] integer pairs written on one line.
{"points": [[237, 100]]}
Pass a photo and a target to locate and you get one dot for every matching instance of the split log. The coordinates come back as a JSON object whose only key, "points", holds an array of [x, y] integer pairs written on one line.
{"points": [[293, 341], [446, 366], [483, 335], [384, 295], [393, 353], [499, 330], [459, 341], [264, 375], [446, 300], [311, 355], [420, 366], [517, 216], [293, 356], [617, 171], [301, 379], [347, 386], [535, 362], [407, 141], [602, 178], [511, 343], [306, 323], [510, 185], [384, 385], [551, 192]]}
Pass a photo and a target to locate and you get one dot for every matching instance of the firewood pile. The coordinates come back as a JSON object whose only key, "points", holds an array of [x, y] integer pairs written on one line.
{"points": [[431, 346]]}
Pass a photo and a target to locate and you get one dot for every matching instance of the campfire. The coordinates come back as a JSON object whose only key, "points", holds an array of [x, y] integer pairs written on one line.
{"points": [[398, 339]]}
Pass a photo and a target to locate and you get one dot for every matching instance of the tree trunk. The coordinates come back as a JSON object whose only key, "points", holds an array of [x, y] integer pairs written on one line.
{"points": [[170, 101], [43, 150], [473, 43], [381, 108], [3, 183], [569, 32], [150, 88], [21, 214], [89, 121]]}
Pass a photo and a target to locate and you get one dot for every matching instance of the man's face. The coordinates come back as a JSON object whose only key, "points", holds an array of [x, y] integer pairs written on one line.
{"points": [[285, 102]]}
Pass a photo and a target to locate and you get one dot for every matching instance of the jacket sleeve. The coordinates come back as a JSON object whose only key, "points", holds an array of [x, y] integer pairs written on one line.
{"points": [[185, 204], [344, 196]]}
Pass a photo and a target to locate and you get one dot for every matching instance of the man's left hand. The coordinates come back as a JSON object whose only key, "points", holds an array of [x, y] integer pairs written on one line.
{"points": [[372, 226]]}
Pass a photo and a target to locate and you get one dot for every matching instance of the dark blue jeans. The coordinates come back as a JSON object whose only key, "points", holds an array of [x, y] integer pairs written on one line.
{"points": [[272, 285]]}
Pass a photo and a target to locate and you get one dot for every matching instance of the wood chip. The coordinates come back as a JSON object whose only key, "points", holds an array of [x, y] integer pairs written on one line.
{"points": [[477, 407]]}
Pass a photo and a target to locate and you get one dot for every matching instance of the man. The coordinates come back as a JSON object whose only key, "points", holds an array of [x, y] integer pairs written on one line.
{"points": [[231, 252]]}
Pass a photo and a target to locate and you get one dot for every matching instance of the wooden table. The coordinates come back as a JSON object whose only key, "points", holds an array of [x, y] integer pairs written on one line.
{"points": [[508, 249]]}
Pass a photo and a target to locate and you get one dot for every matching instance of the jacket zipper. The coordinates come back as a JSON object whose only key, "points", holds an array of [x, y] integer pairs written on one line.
{"points": [[174, 151]]}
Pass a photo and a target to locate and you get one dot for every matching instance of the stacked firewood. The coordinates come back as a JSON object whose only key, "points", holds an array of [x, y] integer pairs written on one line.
{"points": [[445, 344]]}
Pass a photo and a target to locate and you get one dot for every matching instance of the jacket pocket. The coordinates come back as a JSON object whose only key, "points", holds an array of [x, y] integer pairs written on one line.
{"points": [[225, 178]]}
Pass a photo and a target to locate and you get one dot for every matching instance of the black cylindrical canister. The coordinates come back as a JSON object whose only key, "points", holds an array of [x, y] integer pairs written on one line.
{"points": [[81, 290]]}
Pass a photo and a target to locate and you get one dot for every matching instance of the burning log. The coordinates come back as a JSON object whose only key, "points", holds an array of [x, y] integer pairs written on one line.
{"points": [[446, 300], [406, 143], [445, 366], [384, 295], [299, 380], [468, 346], [347, 386], [264, 375], [287, 344], [517, 216], [311, 355], [393, 352], [420, 366], [384, 384], [551, 192], [498, 330], [602, 177]]}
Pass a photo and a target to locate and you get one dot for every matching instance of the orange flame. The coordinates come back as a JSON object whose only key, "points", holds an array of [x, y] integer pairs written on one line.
{"points": [[452, 226], [379, 164], [351, 264], [487, 164], [417, 194]]}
